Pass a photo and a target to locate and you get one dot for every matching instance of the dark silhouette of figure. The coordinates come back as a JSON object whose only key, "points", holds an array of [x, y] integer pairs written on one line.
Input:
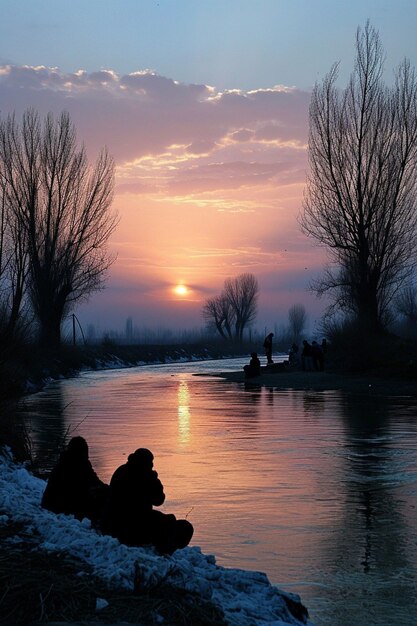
{"points": [[293, 355], [254, 367], [268, 347], [307, 356], [129, 516], [318, 356], [324, 349], [73, 486]]}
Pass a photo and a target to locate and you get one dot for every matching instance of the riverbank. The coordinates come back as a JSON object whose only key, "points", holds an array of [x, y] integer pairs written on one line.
{"points": [[29, 368], [54, 568], [364, 383]]}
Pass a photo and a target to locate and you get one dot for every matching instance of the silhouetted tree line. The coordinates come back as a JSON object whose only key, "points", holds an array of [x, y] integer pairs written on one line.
{"points": [[55, 222], [231, 312]]}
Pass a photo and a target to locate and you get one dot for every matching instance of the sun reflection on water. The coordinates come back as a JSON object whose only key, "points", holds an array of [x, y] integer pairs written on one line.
{"points": [[184, 413]]}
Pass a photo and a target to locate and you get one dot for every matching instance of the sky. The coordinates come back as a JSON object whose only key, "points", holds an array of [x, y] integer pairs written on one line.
{"points": [[204, 107]]}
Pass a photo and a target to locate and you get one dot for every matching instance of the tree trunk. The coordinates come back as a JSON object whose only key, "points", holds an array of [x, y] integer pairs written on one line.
{"points": [[50, 320], [368, 313], [50, 333]]}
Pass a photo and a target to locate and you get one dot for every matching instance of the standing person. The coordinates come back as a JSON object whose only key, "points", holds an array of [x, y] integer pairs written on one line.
{"points": [[318, 357], [307, 356], [130, 517], [73, 486], [268, 348], [293, 355]]}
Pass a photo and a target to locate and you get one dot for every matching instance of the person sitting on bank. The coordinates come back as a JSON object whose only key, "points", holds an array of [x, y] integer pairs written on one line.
{"points": [[130, 517], [254, 367], [73, 486]]}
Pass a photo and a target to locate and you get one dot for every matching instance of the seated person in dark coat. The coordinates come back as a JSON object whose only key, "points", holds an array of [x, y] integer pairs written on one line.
{"points": [[254, 367], [73, 486], [134, 489]]}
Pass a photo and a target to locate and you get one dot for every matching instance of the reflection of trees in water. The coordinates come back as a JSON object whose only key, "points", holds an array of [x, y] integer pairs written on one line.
{"points": [[44, 417], [370, 538], [371, 503], [363, 548]]}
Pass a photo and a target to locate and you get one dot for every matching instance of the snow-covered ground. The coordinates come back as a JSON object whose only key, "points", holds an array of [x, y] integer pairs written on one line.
{"points": [[245, 597]]}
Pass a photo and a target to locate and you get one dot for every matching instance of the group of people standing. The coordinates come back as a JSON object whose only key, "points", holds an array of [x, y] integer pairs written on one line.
{"points": [[311, 356], [123, 509]]}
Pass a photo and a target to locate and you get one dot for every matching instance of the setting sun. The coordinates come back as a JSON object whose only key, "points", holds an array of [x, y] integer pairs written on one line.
{"points": [[181, 290]]}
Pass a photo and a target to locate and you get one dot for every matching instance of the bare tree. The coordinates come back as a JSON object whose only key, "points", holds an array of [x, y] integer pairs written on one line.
{"points": [[13, 271], [218, 312], [235, 308], [297, 318], [242, 294], [61, 206], [361, 197]]}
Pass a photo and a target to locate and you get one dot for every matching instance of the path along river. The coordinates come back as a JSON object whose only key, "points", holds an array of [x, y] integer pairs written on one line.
{"points": [[317, 489]]}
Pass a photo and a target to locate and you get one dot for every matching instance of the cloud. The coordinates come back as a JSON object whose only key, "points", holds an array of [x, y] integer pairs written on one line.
{"points": [[169, 136], [208, 182], [143, 113], [242, 135], [201, 147]]}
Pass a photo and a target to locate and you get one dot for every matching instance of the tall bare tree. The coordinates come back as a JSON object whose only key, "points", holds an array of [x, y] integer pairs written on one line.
{"points": [[297, 318], [242, 294], [361, 197], [61, 206], [235, 308]]}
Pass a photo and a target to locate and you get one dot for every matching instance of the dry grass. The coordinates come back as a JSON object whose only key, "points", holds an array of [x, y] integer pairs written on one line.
{"points": [[37, 587]]}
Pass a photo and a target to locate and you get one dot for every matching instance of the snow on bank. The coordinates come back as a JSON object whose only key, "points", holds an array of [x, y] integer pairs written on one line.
{"points": [[245, 597]]}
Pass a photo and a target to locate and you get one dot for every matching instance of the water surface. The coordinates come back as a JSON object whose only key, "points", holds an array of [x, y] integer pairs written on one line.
{"points": [[317, 489]]}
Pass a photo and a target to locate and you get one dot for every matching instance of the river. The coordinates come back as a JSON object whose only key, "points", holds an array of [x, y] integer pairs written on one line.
{"points": [[317, 489]]}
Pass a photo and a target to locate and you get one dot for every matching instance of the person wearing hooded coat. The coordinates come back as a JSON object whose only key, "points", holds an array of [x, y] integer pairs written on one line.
{"points": [[73, 487], [268, 348], [254, 367], [130, 517]]}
